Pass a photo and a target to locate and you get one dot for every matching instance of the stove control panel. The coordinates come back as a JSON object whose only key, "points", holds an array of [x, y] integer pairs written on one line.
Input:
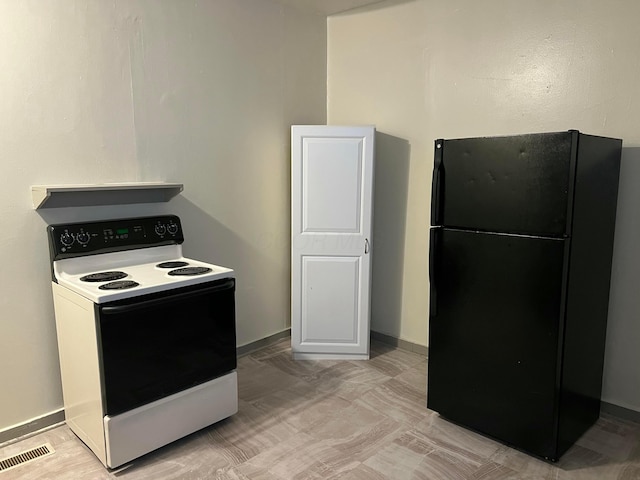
{"points": [[89, 238]]}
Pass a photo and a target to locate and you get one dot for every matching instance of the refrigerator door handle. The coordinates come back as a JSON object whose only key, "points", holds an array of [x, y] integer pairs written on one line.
{"points": [[436, 203], [434, 246]]}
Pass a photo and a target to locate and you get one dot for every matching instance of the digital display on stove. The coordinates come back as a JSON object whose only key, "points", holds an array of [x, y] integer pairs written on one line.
{"points": [[122, 231]]}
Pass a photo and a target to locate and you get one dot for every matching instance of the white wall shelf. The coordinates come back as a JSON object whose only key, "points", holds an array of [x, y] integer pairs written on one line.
{"points": [[55, 196]]}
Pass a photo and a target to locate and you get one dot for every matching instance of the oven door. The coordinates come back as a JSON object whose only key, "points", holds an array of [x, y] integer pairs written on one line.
{"points": [[160, 344]]}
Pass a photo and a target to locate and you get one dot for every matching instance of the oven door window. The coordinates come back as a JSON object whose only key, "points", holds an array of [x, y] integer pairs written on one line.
{"points": [[160, 344]]}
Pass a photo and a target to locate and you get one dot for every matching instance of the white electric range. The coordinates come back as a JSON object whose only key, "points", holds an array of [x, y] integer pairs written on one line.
{"points": [[146, 337]]}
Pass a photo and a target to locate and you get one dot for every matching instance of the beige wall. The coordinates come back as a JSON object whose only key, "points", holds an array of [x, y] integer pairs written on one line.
{"points": [[426, 69], [197, 92]]}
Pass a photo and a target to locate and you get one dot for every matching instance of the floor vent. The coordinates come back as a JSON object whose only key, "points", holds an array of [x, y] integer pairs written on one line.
{"points": [[25, 457]]}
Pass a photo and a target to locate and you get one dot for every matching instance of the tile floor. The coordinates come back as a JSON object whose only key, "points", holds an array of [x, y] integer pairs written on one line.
{"points": [[360, 420]]}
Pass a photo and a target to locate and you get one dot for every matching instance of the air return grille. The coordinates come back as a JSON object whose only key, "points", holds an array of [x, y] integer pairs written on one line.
{"points": [[25, 457]]}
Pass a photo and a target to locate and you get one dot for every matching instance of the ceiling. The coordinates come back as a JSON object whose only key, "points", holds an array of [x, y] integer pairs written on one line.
{"points": [[328, 7]]}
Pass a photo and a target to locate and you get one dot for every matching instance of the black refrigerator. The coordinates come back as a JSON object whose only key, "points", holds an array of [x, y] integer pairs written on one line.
{"points": [[519, 266]]}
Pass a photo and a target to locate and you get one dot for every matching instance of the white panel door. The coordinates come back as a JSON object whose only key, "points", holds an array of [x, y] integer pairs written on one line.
{"points": [[331, 215]]}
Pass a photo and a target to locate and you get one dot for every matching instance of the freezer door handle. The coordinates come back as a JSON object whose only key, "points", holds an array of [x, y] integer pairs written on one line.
{"points": [[434, 246], [436, 181]]}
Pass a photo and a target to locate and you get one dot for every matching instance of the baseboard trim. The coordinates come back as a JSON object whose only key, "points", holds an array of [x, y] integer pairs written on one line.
{"points": [[399, 343], [23, 430], [620, 412], [263, 342], [380, 337]]}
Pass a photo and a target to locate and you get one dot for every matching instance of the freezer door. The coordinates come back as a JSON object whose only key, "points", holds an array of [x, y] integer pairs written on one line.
{"points": [[517, 184], [493, 335]]}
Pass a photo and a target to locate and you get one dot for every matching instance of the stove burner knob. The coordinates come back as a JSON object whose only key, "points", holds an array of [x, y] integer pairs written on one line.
{"points": [[160, 229], [172, 228], [66, 239], [83, 238]]}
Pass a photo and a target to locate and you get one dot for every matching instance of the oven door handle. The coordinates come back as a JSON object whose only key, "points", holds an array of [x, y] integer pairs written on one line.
{"points": [[119, 309]]}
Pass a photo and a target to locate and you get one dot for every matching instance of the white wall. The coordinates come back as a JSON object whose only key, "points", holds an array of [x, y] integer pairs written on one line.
{"points": [[426, 69], [197, 92]]}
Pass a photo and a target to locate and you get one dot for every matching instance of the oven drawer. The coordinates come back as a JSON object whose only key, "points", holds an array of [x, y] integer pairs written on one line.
{"points": [[146, 428], [157, 345]]}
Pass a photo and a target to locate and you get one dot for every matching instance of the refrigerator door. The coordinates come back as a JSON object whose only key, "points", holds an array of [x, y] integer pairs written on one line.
{"points": [[493, 334], [517, 184]]}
